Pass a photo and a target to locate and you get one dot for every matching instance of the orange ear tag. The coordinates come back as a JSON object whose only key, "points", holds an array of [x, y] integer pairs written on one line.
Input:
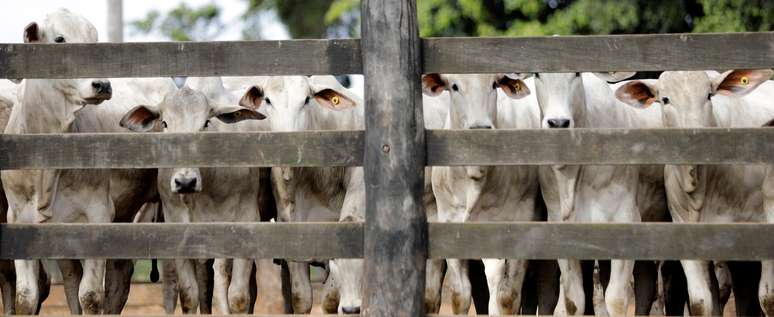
{"points": [[744, 80], [335, 100]]}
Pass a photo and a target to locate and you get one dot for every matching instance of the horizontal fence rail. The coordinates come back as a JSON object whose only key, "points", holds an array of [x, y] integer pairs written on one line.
{"points": [[535, 240], [242, 58], [646, 52], [343, 56], [138, 150], [345, 148]]}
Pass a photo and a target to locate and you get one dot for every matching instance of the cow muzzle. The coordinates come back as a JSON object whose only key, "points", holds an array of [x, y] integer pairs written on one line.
{"points": [[101, 91], [186, 181]]}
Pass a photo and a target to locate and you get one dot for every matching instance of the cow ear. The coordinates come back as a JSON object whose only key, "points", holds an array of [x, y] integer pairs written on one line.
{"points": [[769, 124], [740, 82], [433, 84], [614, 77], [140, 118], [234, 114], [32, 33], [253, 98], [334, 100], [514, 88], [637, 94]]}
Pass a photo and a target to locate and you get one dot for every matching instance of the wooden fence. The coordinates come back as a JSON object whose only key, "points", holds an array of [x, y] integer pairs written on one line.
{"points": [[396, 239]]}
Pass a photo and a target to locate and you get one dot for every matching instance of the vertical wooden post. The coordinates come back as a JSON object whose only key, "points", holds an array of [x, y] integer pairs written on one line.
{"points": [[115, 21], [396, 226]]}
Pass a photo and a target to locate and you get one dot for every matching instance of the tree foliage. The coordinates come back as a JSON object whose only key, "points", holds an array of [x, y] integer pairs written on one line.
{"points": [[340, 18]]}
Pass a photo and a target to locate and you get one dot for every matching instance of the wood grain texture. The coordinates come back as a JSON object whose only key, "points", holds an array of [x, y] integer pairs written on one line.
{"points": [[651, 52], [134, 150], [241, 58], [533, 240], [395, 235], [655, 241], [600, 146], [166, 241]]}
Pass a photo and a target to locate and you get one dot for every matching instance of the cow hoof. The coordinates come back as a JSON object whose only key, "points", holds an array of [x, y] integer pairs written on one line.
{"points": [[237, 304], [91, 302], [26, 302]]}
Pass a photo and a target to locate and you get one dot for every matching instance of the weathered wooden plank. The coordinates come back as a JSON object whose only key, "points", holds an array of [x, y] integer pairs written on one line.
{"points": [[242, 58], [600, 146], [133, 150], [649, 52], [166, 241], [396, 226], [656, 241]]}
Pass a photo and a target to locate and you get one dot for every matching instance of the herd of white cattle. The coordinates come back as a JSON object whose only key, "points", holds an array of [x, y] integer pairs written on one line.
{"points": [[685, 193]]}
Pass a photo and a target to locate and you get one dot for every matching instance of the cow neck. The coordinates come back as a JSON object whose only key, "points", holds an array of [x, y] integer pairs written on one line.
{"points": [[47, 106]]}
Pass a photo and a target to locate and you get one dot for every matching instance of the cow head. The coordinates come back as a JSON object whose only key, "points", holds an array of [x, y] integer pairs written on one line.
{"points": [[63, 26], [185, 111], [473, 97], [290, 102], [686, 97]]}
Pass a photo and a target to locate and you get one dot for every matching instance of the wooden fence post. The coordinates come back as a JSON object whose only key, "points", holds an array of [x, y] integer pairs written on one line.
{"points": [[396, 227]]}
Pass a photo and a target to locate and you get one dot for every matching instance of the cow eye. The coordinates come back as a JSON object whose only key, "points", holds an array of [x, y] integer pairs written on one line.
{"points": [[268, 102], [207, 124], [709, 96], [164, 124], [306, 101], [577, 74], [455, 88], [494, 85], [59, 39], [665, 100]]}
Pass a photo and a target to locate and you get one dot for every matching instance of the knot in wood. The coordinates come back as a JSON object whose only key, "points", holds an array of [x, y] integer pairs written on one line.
{"points": [[386, 148]]}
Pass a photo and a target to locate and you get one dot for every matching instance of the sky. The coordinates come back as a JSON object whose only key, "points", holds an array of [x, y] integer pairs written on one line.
{"points": [[16, 14]]}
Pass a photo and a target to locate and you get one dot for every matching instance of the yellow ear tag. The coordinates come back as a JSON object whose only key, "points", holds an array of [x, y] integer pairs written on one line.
{"points": [[335, 100], [745, 80]]}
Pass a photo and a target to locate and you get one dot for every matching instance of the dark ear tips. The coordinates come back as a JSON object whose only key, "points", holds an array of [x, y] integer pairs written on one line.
{"points": [[31, 33]]}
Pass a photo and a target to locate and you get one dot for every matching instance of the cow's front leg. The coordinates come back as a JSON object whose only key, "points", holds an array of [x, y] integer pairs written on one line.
{"points": [[766, 288], [72, 272], [616, 294], [460, 285], [434, 285], [91, 292], [118, 280], [239, 289], [27, 291], [189, 289], [572, 298], [697, 274], [8, 286], [509, 291], [495, 272], [301, 287], [222, 268]]}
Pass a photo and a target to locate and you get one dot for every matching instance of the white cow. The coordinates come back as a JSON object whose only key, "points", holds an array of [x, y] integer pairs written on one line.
{"points": [[51, 106], [477, 193], [310, 194], [595, 193], [198, 195], [7, 274], [714, 193]]}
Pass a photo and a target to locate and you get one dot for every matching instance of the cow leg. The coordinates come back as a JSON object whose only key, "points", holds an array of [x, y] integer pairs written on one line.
{"points": [[725, 283], [27, 292], [222, 268], [674, 287], [600, 276], [460, 285], [745, 277], [495, 272], [572, 299], [253, 288], [239, 289], [169, 286], [204, 278], [118, 280], [548, 286], [331, 296], [71, 278], [697, 274], [8, 286], [434, 285], [531, 296], [645, 286], [44, 285], [189, 290], [616, 294], [300, 287], [766, 288], [479, 290], [509, 291], [91, 291]]}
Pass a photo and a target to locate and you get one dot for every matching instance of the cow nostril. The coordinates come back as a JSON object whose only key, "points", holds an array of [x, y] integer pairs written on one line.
{"points": [[351, 310], [102, 87], [558, 123]]}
